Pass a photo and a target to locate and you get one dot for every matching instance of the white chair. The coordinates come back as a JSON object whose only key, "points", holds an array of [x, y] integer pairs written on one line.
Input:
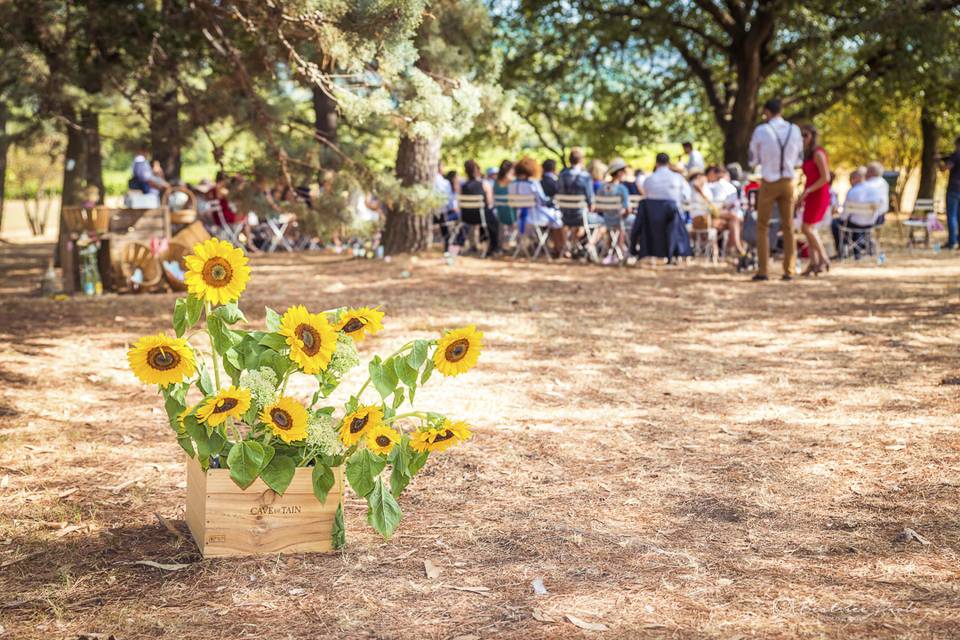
{"points": [[635, 202], [528, 201], [278, 225], [478, 202], [579, 201], [859, 240], [609, 207], [221, 228], [703, 234], [918, 225]]}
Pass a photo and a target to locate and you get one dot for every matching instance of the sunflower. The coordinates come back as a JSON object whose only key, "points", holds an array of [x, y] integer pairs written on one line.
{"points": [[381, 439], [181, 427], [216, 272], [458, 350], [440, 439], [356, 425], [311, 337], [232, 401], [357, 323], [287, 418], [161, 360]]}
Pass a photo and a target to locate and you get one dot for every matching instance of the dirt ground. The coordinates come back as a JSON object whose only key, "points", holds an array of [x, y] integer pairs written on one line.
{"points": [[676, 453]]}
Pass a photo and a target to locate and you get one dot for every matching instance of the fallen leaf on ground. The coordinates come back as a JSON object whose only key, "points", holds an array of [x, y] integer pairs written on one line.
{"points": [[68, 530], [123, 485], [158, 565], [431, 570], [909, 535], [538, 587], [169, 526], [297, 592], [589, 626], [895, 447], [5, 481], [539, 614], [7, 563], [468, 636], [67, 492]]}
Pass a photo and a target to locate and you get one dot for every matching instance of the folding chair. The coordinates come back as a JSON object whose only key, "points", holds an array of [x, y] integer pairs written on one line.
{"points": [[918, 225], [524, 203], [579, 201], [860, 240], [702, 232], [609, 207], [223, 229], [478, 202], [635, 202], [277, 225]]}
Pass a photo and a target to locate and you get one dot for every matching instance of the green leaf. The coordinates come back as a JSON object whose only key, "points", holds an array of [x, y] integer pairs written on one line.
{"points": [[339, 534], [180, 317], [204, 381], [406, 373], [274, 341], [194, 309], [384, 378], [273, 320], [418, 355], [398, 398], [399, 460], [323, 481], [174, 408], [427, 370], [417, 460], [187, 445], [278, 474], [280, 364], [383, 512], [246, 459], [230, 313], [363, 467], [201, 438]]}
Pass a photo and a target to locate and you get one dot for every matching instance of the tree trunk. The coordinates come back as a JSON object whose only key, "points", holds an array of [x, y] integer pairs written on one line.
{"points": [[405, 230], [4, 145], [74, 163], [93, 161], [739, 125], [165, 133], [325, 124], [930, 137]]}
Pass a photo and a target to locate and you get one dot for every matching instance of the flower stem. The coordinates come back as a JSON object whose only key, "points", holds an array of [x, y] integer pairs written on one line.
{"points": [[213, 351], [366, 384]]}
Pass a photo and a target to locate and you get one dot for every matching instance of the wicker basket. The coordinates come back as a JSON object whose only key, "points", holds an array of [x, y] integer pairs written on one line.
{"points": [[185, 215], [138, 256], [191, 234], [79, 219], [176, 252]]}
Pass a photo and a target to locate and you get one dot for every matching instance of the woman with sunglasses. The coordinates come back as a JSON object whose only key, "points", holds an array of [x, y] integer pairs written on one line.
{"points": [[815, 198]]}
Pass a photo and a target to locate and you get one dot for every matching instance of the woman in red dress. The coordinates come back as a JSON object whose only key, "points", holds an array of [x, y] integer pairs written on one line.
{"points": [[815, 198]]}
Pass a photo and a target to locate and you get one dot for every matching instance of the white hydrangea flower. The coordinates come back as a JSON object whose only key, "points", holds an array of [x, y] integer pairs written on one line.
{"points": [[322, 434], [345, 357], [262, 384]]}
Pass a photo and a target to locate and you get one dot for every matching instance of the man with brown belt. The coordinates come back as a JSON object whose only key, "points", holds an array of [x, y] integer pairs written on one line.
{"points": [[777, 147]]}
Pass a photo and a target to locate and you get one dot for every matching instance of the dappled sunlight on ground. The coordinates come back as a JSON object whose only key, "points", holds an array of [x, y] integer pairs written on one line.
{"points": [[676, 452]]}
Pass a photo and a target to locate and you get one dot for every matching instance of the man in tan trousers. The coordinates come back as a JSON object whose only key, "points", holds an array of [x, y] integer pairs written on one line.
{"points": [[777, 147]]}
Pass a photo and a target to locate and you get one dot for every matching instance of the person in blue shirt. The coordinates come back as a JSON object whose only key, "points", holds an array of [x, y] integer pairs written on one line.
{"points": [[615, 187], [144, 178], [574, 180]]}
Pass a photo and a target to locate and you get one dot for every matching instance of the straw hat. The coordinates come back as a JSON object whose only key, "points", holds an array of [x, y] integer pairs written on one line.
{"points": [[617, 164]]}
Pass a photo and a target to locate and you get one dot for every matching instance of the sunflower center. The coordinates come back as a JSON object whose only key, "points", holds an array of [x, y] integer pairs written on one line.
{"points": [[353, 324], [310, 338], [225, 404], [217, 272], [383, 441], [357, 424], [281, 419], [457, 351], [162, 358], [446, 435]]}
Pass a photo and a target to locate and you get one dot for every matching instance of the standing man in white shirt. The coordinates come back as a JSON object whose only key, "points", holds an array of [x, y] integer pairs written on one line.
{"points": [[777, 147], [694, 163], [666, 184]]}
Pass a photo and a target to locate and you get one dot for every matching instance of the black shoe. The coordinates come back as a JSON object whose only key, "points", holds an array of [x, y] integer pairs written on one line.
{"points": [[949, 246], [786, 277], [758, 278]]}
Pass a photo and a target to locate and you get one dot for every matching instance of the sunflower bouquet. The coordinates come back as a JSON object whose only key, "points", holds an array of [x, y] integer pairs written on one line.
{"points": [[237, 414]]}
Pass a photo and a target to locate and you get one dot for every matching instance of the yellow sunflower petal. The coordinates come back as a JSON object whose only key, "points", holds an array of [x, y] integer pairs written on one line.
{"points": [[357, 424], [382, 439], [162, 360], [458, 350], [229, 402], [311, 338], [358, 323], [217, 272], [287, 418]]}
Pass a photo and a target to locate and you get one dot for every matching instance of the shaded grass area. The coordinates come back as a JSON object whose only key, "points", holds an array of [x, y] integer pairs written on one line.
{"points": [[676, 453]]}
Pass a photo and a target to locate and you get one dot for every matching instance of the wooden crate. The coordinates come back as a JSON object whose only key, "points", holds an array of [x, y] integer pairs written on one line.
{"points": [[228, 521]]}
